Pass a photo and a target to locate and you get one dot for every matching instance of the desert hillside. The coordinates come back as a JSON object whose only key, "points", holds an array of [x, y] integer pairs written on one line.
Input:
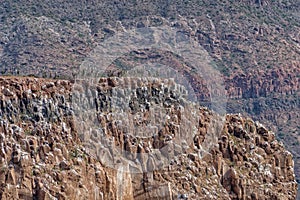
{"points": [[255, 44]]}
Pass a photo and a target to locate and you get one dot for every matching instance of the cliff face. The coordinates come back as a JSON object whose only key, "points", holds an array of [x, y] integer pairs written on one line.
{"points": [[270, 97], [45, 153], [255, 44]]}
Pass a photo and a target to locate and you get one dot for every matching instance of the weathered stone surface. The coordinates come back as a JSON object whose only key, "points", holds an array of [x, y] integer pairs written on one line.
{"points": [[43, 154]]}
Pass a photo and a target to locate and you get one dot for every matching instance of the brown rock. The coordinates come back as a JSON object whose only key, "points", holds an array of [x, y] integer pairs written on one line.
{"points": [[11, 176], [64, 165]]}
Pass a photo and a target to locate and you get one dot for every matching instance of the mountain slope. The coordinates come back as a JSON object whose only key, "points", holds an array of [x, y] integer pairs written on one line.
{"points": [[45, 153], [254, 43]]}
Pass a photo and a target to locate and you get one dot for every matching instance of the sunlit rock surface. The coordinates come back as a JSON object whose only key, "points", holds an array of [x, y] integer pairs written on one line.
{"points": [[44, 152]]}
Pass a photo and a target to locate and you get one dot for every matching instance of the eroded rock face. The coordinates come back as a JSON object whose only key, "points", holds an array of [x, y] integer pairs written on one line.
{"points": [[257, 51], [43, 154]]}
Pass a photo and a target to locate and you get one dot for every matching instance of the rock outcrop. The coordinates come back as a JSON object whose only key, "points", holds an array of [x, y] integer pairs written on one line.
{"points": [[254, 43], [44, 152]]}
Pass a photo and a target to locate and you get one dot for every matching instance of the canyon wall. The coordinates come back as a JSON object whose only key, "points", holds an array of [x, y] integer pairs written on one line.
{"points": [[44, 155]]}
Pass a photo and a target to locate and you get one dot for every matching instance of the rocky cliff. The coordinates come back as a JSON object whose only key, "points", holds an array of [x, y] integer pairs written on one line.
{"points": [[46, 153], [254, 43]]}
